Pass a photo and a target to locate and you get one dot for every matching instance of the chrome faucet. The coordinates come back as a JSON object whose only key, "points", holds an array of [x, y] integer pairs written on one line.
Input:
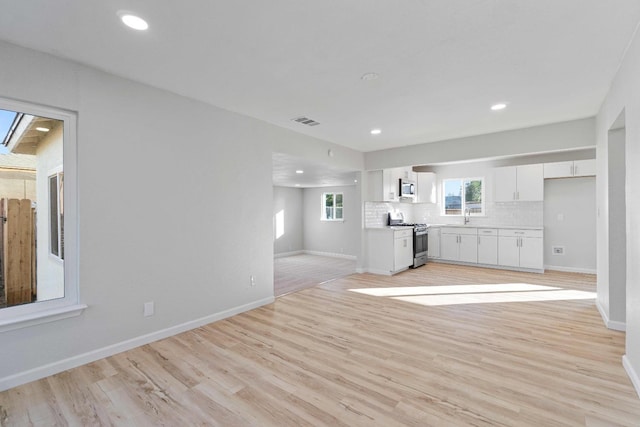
{"points": [[467, 216]]}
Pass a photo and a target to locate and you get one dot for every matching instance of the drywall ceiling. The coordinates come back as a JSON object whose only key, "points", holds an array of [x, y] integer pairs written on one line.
{"points": [[313, 174], [440, 64]]}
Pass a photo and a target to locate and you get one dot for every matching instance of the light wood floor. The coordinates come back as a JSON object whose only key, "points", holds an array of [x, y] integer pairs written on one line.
{"points": [[297, 272], [432, 351]]}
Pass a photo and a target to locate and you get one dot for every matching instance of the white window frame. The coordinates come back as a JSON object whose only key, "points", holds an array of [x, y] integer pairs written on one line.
{"points": [[25, 315], [324, 207], [462, 198]]}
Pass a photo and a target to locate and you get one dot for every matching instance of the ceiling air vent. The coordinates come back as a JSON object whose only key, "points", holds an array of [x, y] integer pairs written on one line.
{"points": [[306, 121]]}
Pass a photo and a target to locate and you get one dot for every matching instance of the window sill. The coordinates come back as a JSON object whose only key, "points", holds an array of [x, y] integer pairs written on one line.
{"points": [[331, 220], [40, 317]]}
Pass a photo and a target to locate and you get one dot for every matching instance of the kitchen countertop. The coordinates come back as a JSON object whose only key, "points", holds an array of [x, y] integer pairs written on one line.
{"points": [[504, 227], [507, 227], [390, 227]]}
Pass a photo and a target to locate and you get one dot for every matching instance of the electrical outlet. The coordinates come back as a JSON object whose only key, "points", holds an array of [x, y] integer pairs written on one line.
{"points": [[558, 250], [149, 309], [560, 217], [252, 280]]}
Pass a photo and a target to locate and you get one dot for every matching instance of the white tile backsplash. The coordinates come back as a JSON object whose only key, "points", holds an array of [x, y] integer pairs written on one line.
{"points": [[526, 214]]}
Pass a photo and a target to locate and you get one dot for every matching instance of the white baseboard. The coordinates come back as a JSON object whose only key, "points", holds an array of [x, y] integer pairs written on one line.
{"points": [[331, 254], [361, 270], [286, 254], [327, 254], [570, 269], [610, 324], [380, 272], [633, 375], [494, 266], [82, 359]]}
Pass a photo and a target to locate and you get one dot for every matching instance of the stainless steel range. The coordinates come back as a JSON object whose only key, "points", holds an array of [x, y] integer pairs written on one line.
{"points": [[420, 237]]}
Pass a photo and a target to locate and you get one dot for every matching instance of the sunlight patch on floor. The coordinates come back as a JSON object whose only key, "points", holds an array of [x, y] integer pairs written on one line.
{"points": [[477, 294], [451, 289]]}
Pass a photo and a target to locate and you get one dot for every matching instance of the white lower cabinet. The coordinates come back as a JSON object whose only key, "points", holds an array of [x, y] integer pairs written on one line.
{"points": [[521, 248], [434, 242], [402, 249], [488, 246], [389, 251], [459, 244]]}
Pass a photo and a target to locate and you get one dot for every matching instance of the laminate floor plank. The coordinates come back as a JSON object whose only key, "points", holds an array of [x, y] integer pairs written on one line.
{"points": [[441, 345], [297, 272]]}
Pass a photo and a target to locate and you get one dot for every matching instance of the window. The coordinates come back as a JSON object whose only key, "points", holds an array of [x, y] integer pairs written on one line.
{"points": [[56, 214], [48, 205], [461, 194], [332, 209]]}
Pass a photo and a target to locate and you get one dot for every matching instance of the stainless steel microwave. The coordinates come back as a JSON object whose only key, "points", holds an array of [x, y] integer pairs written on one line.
{"points": [[407, 188]]}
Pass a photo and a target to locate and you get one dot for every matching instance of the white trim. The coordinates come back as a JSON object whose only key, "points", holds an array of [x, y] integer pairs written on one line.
{"points": [[286, 254], [571, 269], [53, 368], [610, 324], [37, 318], [360, 270], [331, 254], [633, 375]]}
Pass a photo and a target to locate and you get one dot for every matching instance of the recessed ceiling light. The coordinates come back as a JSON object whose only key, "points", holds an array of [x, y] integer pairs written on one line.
{"points": [[297, 185], [355, 180], [299, 171], [42, 129], [499, 106], [133, 21], [376, 131], [370, 76]]}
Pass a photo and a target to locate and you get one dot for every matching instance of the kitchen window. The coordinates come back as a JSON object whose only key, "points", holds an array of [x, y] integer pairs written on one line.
{"points": [[332, 207], [460, 194]]}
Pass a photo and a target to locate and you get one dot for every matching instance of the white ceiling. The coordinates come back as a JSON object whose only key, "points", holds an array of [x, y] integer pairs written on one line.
{"points": [[441, 64], [314, 174]]}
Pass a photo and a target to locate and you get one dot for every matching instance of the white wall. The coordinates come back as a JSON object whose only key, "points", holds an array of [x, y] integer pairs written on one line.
{"points": [[160, 215], [623, 95], [288, 203], [50, 269], [335, 237], [570, 222], [616, 186]]}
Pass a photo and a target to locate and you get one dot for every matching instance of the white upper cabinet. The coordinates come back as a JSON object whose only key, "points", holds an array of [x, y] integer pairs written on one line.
{"points": [[384, 185], [505, 184], [391, 183], [519, 183], [570, 169], [426, 187], [584, 167]]}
